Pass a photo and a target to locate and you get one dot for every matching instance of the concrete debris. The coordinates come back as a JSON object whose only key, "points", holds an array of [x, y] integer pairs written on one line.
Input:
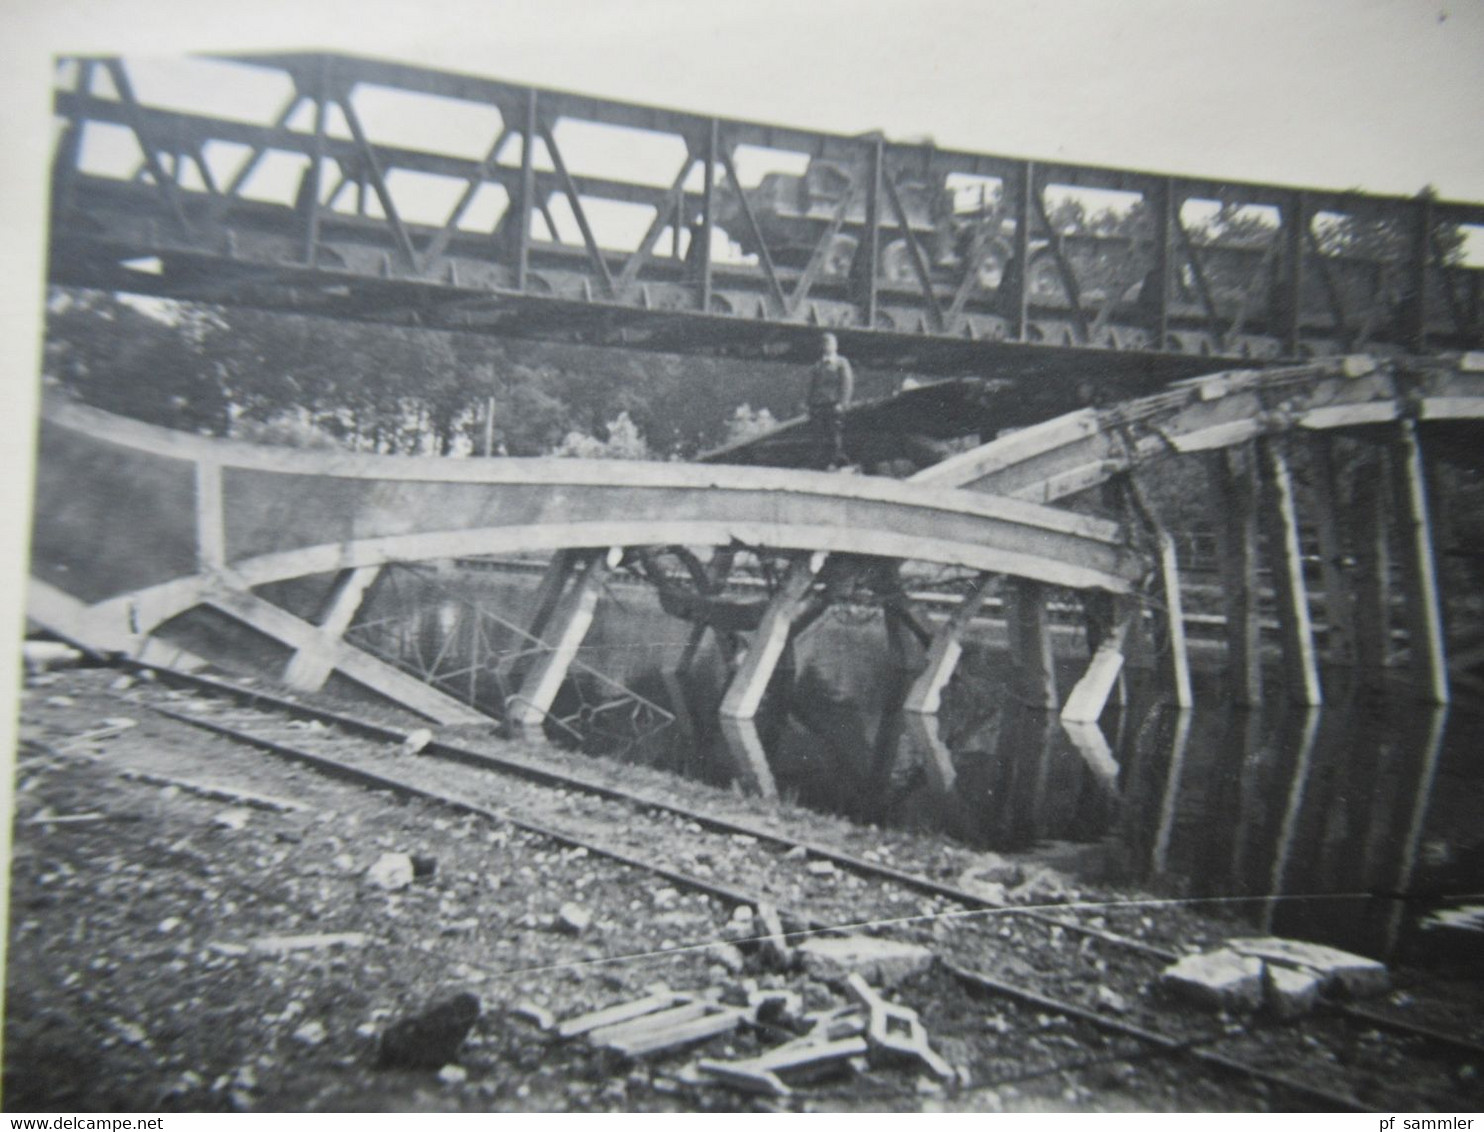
{"points": [[60, 701], [1111, 1001], [1355, 975], [667, 1029], [44, 656], [761, 1074], [895, 1032], [122, 684], [621, 1013], [392, 871], [310, 1034], [234, 819], [821, 868], [1465, 918], [417, 741], [453, 1074], [1220, 980], [769, 926], [775, 1007], [881, 962], [216, 792], [797, 853], [1289, 992], [282, 944], [431, 1039], [728, 956], [573, 919], [112, 727], [537, 1016]]}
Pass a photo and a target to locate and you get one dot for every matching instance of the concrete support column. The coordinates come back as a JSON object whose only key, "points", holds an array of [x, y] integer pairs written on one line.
{"points": [[745, 693], [1029, 630], [1089, 696], [310, 666], [568, 626], [559, 571], [1372, 511], [926, 694], [749, 757], [1286, 563], [1330, 521], [1419, 570], [1234, 505], [1177, 655], [211, 531]]}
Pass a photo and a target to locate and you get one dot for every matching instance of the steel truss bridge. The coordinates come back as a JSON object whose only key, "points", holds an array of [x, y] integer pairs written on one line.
{"points": [[371, 190]]}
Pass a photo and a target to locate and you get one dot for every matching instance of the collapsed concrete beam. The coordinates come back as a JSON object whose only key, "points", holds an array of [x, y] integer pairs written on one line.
{"points": [[311, 664], [745, 693], [362, 667]]}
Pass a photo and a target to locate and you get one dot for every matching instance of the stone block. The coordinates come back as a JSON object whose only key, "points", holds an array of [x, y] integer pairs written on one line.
{"points": [[1288, 991], [1220, 980], [1355, 975], [881, 962]]}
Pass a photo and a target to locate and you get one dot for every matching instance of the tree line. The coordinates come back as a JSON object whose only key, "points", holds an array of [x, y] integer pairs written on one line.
{"points": [[370, 387]]}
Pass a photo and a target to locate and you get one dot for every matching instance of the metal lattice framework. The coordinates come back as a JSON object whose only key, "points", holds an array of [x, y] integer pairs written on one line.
{"points": [[480, 657], [736, 237]]}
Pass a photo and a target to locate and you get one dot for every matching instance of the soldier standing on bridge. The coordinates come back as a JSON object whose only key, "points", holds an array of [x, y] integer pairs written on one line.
{"points": [[831, 386]]}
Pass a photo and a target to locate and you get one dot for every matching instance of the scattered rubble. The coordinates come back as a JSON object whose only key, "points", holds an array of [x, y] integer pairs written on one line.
{"points": [[573, 919], [1286, 976], [283, 944], [1355, 975], [1219, 980], [882, 962], [392, 871], [417, 741]]}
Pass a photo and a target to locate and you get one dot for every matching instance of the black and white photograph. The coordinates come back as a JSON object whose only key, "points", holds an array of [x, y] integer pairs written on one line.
{"points": [[738, 557]]}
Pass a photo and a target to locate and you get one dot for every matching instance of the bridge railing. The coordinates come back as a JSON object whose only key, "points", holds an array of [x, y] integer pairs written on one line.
{"points": [[372, 171]]}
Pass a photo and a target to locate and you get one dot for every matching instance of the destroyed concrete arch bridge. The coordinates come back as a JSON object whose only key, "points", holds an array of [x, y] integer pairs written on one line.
{"points": [[136, 525]]}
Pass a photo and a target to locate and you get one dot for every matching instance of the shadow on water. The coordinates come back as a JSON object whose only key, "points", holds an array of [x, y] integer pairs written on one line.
{"points": [[1344, 824]]}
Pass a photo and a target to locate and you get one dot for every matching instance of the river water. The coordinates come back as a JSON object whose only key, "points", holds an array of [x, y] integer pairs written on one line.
{"points": [[1349, 824]]}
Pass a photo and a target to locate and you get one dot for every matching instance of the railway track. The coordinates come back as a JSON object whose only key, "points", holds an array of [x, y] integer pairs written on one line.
{"points": [[1091, 964]]}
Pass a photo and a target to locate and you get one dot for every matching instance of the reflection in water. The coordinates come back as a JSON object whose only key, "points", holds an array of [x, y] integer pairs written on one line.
{"points": [[1321, 820], [1315, 819]]}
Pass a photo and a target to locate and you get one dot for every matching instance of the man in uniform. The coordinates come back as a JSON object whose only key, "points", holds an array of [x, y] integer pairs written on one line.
{"points": [[831, 386]]}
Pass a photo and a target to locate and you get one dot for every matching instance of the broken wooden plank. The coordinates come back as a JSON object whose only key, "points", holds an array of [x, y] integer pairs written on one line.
{"points": [[623, 1012]]}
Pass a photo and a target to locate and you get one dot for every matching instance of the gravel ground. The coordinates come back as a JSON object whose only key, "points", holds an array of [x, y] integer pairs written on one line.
{"points": [[138, 978]]}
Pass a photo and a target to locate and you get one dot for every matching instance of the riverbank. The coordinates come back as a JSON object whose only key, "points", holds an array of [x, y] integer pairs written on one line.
{"points": [[148, 968]]}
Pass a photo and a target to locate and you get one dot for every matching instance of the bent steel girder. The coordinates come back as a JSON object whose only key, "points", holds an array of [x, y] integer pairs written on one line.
{"points": [[869, 238], [136, 524], [1057, 458]]}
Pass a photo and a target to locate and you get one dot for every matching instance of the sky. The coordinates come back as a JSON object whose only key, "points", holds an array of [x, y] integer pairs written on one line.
{"points": [[1385, 95]]}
